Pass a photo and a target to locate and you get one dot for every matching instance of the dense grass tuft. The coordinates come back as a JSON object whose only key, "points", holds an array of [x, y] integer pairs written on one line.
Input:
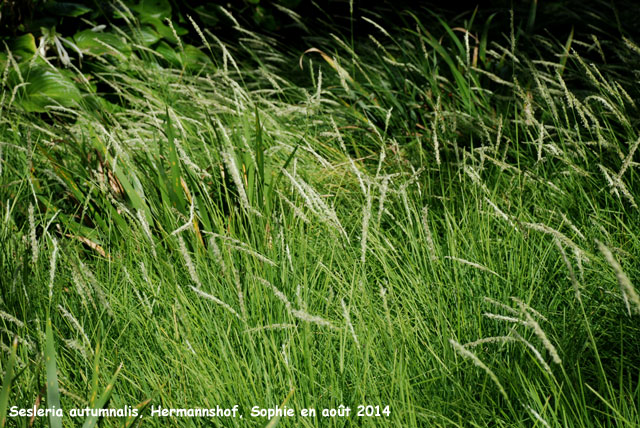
{"points": [[442, 219]]}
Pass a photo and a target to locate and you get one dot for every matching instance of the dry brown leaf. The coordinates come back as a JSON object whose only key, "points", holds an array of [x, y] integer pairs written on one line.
{"points": [[90, 244]]}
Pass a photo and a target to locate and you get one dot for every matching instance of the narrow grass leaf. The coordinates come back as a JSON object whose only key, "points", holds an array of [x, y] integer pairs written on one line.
{"points": [[92, 420], [53, 391], [6, 382]]}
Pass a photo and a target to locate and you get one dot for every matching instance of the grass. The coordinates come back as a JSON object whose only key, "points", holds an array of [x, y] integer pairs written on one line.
{"points": [[441, 221]]}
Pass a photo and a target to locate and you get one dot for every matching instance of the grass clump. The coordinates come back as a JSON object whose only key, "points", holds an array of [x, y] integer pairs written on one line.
{"points": [[439, 220]]}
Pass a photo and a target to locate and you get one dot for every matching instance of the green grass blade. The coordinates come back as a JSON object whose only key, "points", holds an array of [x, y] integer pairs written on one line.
{"points": [[174, 166], [274, 422], [567, 49], [136, 200], [91, 421], [484, 38], [259, 156], [53, 392], [140, 407], [532, 16], [6, 383], [284, 167], [94, 378]]}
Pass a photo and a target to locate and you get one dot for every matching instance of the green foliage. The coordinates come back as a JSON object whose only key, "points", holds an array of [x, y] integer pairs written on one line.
{"points": [[44, 86], [53, 390], [101, 402], [101, 43], [23, 47], [439, 218], [9, 368]]}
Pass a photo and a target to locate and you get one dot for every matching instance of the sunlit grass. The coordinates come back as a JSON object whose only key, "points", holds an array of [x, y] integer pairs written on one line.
{"points": [[436, 221]]}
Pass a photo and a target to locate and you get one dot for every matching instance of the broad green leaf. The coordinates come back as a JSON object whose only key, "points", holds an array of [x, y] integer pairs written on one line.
{"points": [[23, 47], [150, 9], [47, 86], [165, 31], [94, 42], [191, 58], [146, 35], [169, 54]]}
